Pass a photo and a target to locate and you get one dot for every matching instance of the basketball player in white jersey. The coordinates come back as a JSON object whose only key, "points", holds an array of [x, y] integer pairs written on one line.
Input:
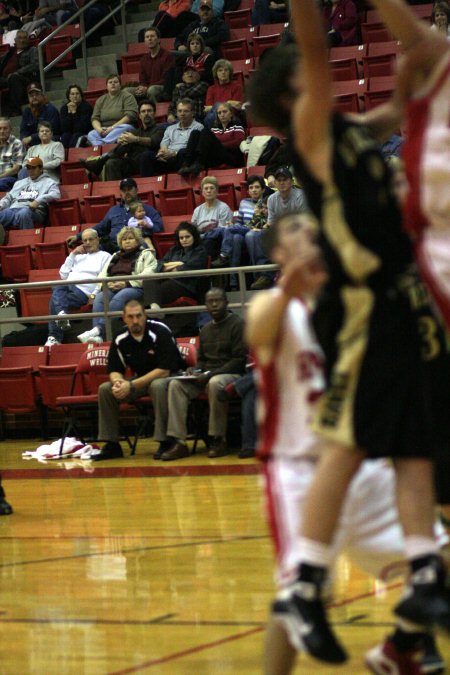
{"points": [[290, 379], [424, 80]]}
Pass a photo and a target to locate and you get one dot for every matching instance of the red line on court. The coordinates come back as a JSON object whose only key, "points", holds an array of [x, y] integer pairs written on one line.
{"points": [[133, 471], [186, 652], [215, 643]]}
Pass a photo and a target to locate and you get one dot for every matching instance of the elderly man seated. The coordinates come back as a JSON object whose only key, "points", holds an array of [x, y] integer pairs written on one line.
{"points": [[86, 261], [25, 205]]}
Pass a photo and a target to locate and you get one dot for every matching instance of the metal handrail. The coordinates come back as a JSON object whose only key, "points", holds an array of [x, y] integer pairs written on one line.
{"points": [[108, 315], [81, 40]]}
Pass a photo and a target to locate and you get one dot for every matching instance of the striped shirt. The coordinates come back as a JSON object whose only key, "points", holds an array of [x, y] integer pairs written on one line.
{"points": [[11, 153]]}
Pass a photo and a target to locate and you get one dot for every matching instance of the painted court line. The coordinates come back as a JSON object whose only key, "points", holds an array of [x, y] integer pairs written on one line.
{"points": [[133, 471]]}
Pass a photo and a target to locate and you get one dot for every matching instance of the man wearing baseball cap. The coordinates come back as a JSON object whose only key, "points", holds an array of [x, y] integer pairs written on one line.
{"points": [[213, 29], [25, 206], [38, 110], [118, 216], [287, 199]]}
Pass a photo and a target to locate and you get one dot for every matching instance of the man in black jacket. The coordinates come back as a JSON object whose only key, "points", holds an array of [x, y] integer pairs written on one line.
{"points": [[149, 350], [125, 158], [221, 360], [18, 67], [214, 31]]}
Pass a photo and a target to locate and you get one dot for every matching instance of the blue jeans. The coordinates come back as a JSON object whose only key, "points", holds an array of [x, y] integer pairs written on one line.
{"points": [[62, 299], [255, 251], [7, 183], [94, 137], [232, 242], [117, 302], [23, 218], [245, 387]]}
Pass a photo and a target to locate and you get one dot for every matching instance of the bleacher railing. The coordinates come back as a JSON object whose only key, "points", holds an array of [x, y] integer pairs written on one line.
{"points": [[43, 69], [108, 316]]}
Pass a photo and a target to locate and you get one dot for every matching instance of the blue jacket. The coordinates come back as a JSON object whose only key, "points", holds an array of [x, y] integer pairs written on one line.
{"points": [[118, 216], [29, 124]]}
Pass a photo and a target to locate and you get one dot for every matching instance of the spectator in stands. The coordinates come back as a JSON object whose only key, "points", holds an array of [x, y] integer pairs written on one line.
{"points": [[53, 12], [171, 154], [51, 152], [148, 349], [215, 146], [38, 110], [212, 217], [217, 5], [118, 216], [75, 117], [269, 11], [221, 360], [11, 155], [114, 112], [188, 253], [252, 215], [288, 198], [198, 57], [224, 89], [213, 30], [440, 18], [125, 158], [25, 205], [19, 66], [85, 261], [191, 87], [173, 16], [132, 258], [154, 68], [341, 21]]}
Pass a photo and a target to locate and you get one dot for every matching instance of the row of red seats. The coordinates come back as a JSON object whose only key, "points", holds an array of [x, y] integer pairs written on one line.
{"points": [[65, 378]]}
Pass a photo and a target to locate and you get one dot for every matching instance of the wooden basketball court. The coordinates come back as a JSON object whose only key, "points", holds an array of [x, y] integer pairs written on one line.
{"points": [[136, 566]]}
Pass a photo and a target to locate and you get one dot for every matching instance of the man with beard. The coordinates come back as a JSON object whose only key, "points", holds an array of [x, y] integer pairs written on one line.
{"points": [[38, 110], [124, 159]]}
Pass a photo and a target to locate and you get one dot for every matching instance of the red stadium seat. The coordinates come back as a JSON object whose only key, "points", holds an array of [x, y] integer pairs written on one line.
{"points": [[171, 222], [51, 254], [59, 233], [378, 66], [344, 69], [16, 262], [240, 18], [163, 242], [72, 173], [131, 63], [20, 237], [375, 32], [97, 206], [138, 48], [75, 154], [65, 212], [178, 201], [235, 49], [55, 47]]}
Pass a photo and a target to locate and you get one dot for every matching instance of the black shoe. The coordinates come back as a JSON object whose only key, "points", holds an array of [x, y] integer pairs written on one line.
{"points": [[178, 450], [94, 165], [221, 261], [5, 508], [246, 453], [163, 446], [302, 615], [84, 143], [191, 169], [110, 450], [425, 601], [218, 448], [432, 662]]}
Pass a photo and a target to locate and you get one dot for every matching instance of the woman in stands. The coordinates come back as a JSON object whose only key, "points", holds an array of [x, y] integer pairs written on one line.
{"points": [[187, 254], [203, 61], [440, 18], [51, 152], [114, 112], [341, 20], [75, 117], [223, 89], [220, 145], [132, 258]]}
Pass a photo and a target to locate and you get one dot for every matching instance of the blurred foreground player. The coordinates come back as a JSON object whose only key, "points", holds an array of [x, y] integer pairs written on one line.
{"points": [[290, 368], [5, 508]]}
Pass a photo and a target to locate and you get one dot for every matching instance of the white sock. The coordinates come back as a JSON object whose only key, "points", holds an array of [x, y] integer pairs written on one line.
{"points": [[314, 552], [417, 547], [94, 331]]}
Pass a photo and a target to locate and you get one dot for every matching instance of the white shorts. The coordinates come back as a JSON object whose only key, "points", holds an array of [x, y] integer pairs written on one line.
{"points": [[369, 531]]}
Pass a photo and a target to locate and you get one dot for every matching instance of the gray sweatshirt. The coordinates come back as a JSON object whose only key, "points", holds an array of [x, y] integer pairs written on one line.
{"points": [[42, 190], [52, 154]]}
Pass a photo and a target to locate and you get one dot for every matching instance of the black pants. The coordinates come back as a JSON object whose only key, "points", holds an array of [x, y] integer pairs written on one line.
{"points": [[164, 291], [150, 166], [204, 147]]}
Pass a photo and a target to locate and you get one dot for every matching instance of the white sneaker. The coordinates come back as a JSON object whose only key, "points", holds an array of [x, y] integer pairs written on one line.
{"points": [[88, 335], [96, 339], [51, 341]]}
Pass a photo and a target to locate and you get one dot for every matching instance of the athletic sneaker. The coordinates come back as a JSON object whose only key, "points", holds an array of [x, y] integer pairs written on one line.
{"points": [[424, 601], [90, 336], [51, 341], [385, 659], [300, 611], [432, 661]]}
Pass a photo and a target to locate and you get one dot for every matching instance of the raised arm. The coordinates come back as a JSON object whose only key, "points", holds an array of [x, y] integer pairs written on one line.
{"points": [[312, 110]]}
